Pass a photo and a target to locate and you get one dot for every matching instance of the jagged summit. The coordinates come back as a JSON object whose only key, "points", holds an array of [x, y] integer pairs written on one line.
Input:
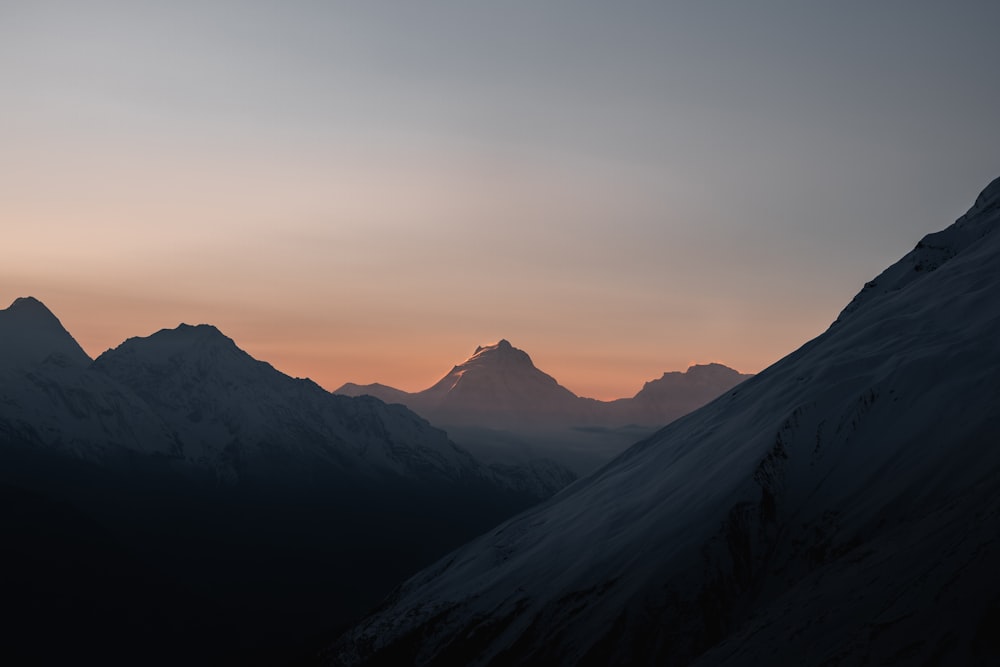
{"points": [[31, 333], [501, 352], [502, 344]]}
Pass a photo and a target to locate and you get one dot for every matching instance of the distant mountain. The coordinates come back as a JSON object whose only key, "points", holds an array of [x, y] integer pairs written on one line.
{"points": [[497, 384], [841, 507], [675, 394], [380, 391], [234, 501], [503, 408]]}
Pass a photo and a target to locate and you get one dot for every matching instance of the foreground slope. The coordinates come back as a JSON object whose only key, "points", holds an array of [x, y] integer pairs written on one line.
{"points": [[843, 506]]}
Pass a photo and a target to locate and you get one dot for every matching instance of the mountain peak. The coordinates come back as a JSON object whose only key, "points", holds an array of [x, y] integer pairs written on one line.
{"points": [[500, 355], [27, 303], [184, 341], [503, 344], [31, 333], [30, 308], [192, 335], [496, 379], [204, 331]]}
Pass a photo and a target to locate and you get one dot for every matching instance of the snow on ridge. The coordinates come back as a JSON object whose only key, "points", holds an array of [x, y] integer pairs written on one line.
{"points": [[933, 251]]}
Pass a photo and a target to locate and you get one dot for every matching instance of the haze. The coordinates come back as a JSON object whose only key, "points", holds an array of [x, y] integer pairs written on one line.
{"points": [[365, 193]]}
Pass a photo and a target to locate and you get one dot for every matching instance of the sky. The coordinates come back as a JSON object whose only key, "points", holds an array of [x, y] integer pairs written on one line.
{"points": [[366, 191]]}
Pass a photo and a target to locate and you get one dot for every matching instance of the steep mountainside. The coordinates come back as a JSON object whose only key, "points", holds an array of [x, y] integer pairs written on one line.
{"points": [[842, 507]]}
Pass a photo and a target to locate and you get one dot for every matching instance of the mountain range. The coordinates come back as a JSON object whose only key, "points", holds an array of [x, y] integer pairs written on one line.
{"points": [[501, 407], [841, 507], [176, 486]]}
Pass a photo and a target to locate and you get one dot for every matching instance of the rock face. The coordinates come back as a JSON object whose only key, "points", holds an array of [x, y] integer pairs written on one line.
{"points": [[841, 507]]}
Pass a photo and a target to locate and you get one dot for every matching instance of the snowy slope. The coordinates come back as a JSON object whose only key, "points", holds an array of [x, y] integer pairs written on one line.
{"points": [[241, 416], [50, 398], [841, 506]]}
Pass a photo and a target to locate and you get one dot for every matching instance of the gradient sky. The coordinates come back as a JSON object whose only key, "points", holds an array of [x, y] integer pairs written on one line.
{"points": [[366, 191]]}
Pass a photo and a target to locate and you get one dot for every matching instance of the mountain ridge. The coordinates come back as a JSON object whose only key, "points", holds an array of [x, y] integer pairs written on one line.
{"points": [[434, 399], [212, 505], [502, 407]]}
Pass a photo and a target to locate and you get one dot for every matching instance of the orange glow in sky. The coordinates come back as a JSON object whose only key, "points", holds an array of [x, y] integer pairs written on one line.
{"points": [[366, 195]]}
